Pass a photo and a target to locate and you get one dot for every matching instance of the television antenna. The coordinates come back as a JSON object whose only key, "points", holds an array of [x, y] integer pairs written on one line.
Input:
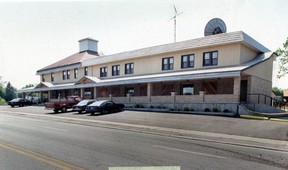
{"points": [[174, 17]]}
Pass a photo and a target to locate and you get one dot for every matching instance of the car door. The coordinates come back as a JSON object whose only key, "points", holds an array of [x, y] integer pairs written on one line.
{"points": [[109, 106]]}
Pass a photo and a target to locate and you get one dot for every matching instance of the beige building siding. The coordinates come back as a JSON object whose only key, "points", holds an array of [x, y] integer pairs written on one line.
{"points": [[263, 70], [227, 55], [246, 54]]}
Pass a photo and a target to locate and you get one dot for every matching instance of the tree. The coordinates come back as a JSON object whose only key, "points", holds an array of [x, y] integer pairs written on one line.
{"points": [[27, 86], [277, 91], [283, 59], [10, 92], [2, 89]]}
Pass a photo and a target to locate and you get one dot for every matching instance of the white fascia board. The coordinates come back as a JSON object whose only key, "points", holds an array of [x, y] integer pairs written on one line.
{"points": [[60, 68]]}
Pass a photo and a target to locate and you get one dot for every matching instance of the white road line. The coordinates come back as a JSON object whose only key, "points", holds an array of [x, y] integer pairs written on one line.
{"points": [[47, 127], [197, 153]]}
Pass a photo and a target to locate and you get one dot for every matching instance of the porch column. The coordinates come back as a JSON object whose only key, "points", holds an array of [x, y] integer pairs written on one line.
{"points": [[149, 90], [49, 96], [41, 97], [236, 88], [95, 92], [82, 93]]}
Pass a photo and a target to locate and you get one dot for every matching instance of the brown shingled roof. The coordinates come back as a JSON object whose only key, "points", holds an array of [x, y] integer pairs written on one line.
{"points": [[72, 59]]}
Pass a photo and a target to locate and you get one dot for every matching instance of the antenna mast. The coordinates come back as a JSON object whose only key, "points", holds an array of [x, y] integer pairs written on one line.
{"points": [[174, 17]]}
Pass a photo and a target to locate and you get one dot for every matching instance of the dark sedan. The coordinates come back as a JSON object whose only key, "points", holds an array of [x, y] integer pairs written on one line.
{"points": [[81, 106], [19, 102], [104, 106]]}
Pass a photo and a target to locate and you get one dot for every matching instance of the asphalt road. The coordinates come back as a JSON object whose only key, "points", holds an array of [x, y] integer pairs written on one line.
{"points": [[214, 124], [31, 143]]}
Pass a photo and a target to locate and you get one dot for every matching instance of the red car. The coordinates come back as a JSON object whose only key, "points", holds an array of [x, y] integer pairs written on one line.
{"points": [[63, 105]]}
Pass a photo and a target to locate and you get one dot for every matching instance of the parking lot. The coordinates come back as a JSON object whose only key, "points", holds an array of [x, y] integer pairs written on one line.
{"points": [[214, 124]]}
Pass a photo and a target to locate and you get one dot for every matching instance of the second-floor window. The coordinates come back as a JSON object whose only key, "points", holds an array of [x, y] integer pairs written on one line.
{"points": [[167, 63], [210, 58], [75, 73], [129, 68], [85, 71], [103, 72], [187, 61], [68, 74], [52, 77], [43, 78], [64, 75], [116, 70]]}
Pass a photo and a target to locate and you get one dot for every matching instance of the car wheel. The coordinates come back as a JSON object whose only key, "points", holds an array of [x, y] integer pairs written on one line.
{"points": [[104, 111], [12, 105], [64, 109], [79, 112], [55, 110], [92, 113]]}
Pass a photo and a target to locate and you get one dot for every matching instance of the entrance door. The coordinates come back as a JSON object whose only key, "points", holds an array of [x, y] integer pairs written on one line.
{"points": [[243, 91]]}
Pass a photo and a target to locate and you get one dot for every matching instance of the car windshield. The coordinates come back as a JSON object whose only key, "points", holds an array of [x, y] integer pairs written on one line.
{"points": [[83, 102], [16, 100], [98, 103]]}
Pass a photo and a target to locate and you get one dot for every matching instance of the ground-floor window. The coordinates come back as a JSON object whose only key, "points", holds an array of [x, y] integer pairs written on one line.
{"points": [[129, 90], [187, 89]]}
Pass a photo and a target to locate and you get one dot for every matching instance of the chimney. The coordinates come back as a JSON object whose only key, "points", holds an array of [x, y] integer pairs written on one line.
{"points": [[88, 45]]}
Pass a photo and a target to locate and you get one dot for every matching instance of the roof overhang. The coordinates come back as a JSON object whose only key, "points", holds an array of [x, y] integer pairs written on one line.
{"points": [[59, 68]]}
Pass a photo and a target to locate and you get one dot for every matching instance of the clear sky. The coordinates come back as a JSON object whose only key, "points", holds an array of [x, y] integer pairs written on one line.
{"points": [[37, 33]]}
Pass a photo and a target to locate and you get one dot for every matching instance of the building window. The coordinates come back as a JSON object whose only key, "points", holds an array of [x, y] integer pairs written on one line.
{"points": [[68, 74], [187, 61], [75, 73], [52, 77], [85, 71], [167, 63], [129, 90], [187, 89], [43, 78], [116, 70], [129, 68], [64, 75], [103, 72], [210, 58]]}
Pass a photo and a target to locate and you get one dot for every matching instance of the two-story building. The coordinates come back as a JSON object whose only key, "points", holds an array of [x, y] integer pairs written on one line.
{"points": [[221, 68]]}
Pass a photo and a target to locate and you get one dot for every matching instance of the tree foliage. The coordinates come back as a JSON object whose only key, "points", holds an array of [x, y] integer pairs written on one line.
{"points": [[277, 91], [2, 89], [27, 86], [283, 59], [10, 92]]}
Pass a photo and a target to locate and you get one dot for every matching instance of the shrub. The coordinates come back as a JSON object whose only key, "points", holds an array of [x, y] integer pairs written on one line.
{"points": [[192, 109], [186, 109], [139, 106], [171, 109], [215, 109], [206, 110], [158, 107], [225, 110], [151, 107]]}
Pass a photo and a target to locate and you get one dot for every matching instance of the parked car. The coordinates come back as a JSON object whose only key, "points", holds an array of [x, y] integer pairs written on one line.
{"points": [[19, 102], [104, 106], [81, 106], [63, 105]]}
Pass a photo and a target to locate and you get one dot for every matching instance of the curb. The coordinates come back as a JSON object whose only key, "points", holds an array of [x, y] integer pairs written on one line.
{"points": [[263, 118], [279, 120], [254, 117]]}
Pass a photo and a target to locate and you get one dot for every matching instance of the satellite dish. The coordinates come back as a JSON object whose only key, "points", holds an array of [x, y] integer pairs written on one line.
{"points": [[215, 26]]}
